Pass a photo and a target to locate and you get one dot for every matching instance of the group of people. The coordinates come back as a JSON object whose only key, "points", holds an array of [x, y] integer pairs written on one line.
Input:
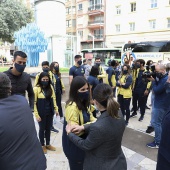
{"points": [[89, 141]]}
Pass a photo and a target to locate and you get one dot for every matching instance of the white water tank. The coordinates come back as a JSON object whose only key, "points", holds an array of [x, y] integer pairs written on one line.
{"points": [[50, 16]]}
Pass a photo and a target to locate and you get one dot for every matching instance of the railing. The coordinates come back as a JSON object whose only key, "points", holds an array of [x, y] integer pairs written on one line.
{"points": [[95, 7], [96, 37], [96, 22]]}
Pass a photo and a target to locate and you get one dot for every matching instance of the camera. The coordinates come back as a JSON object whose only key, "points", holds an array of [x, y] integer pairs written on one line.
{"points": [[148, 74]]}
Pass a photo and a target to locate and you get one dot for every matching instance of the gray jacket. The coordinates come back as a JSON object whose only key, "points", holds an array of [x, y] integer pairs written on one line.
{"points": [[103, 144]]}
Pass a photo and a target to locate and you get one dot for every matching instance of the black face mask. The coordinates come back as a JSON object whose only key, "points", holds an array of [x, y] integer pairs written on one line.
{"points": [[44, 83], [79, 62], [159, 75], [84, 95], [125, 71], [46, 70], [20, 68], [138, 65], [56, 69], [98, 64]]}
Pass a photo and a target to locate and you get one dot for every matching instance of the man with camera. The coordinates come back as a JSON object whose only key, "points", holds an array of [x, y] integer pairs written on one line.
{"points": [[140, 88], [161, 102]]}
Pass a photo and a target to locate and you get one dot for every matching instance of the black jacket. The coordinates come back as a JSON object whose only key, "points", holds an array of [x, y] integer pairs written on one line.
{"points": [[21, 84]]}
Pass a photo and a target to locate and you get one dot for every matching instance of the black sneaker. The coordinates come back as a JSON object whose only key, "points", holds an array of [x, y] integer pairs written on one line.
{"points": [[150, 129], [134, 114], [54, 130], [141, 118]]}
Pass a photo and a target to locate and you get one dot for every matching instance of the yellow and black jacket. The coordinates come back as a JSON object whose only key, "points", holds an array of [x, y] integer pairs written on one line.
{"points": [[39, 102], [125, 90], [135, 76], [75, 116]]}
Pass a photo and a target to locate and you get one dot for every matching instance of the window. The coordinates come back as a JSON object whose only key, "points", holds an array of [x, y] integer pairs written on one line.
{"points": [[133, 7], [68, 10], [73, 9], [152, 24], [118, 10], [168, 22], [68, 23], [80, 7], [132, 26], [73, 23], [80, 33], [153, 3], [117, 28], [98, 33]]}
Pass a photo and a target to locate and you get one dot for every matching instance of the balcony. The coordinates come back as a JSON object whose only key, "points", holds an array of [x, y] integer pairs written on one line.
{"points": [[95, 24], [96, 9], [97, 37]]}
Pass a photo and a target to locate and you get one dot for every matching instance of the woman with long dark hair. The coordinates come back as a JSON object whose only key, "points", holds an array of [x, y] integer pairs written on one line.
{"points": [[58, 86], [103, 142], [77, 113], [44, 108], [124, 92]]}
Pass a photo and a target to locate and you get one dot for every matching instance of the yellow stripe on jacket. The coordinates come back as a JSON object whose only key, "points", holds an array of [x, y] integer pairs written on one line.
{"points": [[39, 95], [75, 116], [127, 93]]}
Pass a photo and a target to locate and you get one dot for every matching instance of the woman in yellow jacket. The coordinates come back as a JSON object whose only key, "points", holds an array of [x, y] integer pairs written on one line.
{"points": [[58, 86], [44, 109], [124, 91], [78, 112]]}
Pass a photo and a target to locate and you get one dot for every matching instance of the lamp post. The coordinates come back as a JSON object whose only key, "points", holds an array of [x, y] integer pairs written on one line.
{"points": [[93, 39]]}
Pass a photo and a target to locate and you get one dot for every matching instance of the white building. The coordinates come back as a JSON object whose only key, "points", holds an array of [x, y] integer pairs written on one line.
{"points": [[136, 20]]}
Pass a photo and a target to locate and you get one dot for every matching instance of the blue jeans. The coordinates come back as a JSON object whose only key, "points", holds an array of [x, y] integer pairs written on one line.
{"points": [[157, 123], [152, 112]]}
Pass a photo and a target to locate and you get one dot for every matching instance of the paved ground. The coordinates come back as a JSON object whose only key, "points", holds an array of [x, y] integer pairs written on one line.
{"points": [[138, 156]]}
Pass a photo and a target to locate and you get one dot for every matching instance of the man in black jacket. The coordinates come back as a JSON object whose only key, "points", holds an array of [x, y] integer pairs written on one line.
{"points": [[20, 80], [19, 145]]}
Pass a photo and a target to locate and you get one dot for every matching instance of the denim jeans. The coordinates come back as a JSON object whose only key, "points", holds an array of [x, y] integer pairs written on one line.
{"points": [[157, 122], [152, 111]]}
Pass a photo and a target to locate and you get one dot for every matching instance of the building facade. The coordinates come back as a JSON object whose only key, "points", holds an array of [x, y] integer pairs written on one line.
{"points": [[86, 20], [136, 20]]}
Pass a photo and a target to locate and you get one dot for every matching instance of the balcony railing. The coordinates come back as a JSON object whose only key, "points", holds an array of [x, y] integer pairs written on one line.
{"points": [[96, 37], [95, 7], [96, 22]]}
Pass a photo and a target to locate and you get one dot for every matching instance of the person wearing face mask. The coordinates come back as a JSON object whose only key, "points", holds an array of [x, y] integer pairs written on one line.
{"points": [[20, 80], [58, 86], [45, 68], [77, 69], [161, 102], [44, 109], [102, 73], [111, 76], [78, 112], [140, 90], [103, 142], [125, 91]]}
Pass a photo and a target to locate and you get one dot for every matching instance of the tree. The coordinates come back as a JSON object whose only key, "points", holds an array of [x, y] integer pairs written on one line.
{"points": [[13, 15]]}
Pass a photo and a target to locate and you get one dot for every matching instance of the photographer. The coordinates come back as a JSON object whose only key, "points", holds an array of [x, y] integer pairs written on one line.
{"points": [[140, 90], [161, 102]]}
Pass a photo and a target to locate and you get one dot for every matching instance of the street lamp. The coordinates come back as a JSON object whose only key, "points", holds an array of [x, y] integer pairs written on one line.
{"points": [[93, 39]]}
